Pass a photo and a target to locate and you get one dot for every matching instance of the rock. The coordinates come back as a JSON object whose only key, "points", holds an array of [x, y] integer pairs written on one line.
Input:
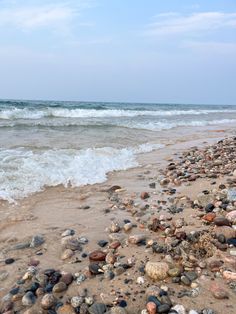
{"points": [[117, 310], [97, 256], [174, 272], [231, 216], [185, 280], [209, 217], [137, 238], [179, 223], [156, 270], [59, 287], [37, 241], [76, 301], [179, 309], [48, 301], [110, 258], [151, 308], [102, 243], [232, 194], [89, 300], [68, 232], [152, 291], [28, 299], [229, 275], [221, 238], [144, 195], [215, 265], [115, 227], [222, 221], [164, 182], [209, 208], [9, 261], [67, 278], [140, 280], [228, 232], [164, 308], [114, 245], [192, 275], [218, 292], [127, 227], [6, 306], [68, 253], [66, 309], [97, 308], [71, 243]]}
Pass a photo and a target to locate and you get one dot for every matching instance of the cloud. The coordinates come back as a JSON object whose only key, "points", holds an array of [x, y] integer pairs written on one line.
{"points": [[212, 47], [50, 14], [172, 23]]}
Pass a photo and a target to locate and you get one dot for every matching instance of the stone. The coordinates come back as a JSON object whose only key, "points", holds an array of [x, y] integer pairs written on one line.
{"points": [[28, 299], [110, 258], [174, 272], [3, 275], [151, 308], [209, 217], [179, 309], [185, 280], [97, 256], [228, 232], [102, 243], [209, 208], [9, 261], [179, 223], [137, 238], [59, 287], [66, 309], [231, 216], [115, 227], [144, 195], [218, 292], [232, 194], [157, 270], [68, 253], [117, 310], [76, 301], [127, 227], [222, 221], [37, 241], [164, 308], [48, 301], [67, 278], [71, 243], [68, 232], [152, 291], [229, 275], [97, 308]]}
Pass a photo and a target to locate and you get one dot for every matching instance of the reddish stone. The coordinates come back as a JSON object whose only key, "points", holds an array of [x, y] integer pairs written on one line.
{"points": [[209, 217], [144, 195], [114, 245], [97, 256]]}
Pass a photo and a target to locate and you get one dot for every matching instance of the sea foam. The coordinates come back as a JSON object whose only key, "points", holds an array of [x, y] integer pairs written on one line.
{"points": [[24, 172]]}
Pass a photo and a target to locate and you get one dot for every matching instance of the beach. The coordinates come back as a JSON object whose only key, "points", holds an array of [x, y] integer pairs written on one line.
{"points": [[95, 243]]}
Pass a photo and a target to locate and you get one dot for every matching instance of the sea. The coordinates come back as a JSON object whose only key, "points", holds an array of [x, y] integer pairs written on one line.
{"points": [[48, 143]]}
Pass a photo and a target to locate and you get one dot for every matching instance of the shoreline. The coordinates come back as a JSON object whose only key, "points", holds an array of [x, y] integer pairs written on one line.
{"points": [[89, 211]]}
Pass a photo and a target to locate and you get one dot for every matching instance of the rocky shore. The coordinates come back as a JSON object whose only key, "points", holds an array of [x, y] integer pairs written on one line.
{"points": [[169, 248]]}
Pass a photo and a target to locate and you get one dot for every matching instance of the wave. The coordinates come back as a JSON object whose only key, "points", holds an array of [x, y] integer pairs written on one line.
{"points": [[24, 172], [25, 113], [167, 125]]}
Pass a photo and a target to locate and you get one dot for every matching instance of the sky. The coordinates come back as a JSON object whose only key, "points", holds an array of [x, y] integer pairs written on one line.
{"points": [[165, 51]]}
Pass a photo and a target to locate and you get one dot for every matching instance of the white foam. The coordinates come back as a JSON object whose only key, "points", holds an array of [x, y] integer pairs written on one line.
{"points": [[24, 172], [25, 113], [167, 125]]}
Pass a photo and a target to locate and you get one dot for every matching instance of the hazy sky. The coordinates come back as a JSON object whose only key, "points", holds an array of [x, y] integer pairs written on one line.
{"points": [[119, 50]]}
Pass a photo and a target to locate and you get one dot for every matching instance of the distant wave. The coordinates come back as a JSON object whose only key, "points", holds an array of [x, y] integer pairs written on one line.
{"points": [[23, 172], [133, 124], [34, 114]]}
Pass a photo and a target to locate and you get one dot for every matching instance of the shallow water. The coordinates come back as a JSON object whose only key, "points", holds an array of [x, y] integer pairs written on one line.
{"points": [[74, 143]]}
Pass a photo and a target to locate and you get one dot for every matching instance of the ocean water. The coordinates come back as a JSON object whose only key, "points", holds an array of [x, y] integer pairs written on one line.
{"points": [[76, 143]]}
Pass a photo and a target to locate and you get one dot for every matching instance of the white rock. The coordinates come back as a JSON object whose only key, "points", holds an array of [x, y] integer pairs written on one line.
{"points": [[179, 309], [140, 280]]}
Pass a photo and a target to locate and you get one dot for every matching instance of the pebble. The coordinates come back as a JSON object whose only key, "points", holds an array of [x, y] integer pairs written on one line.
{"points": [[59, 287], [28, 299], [151, 308], [179, 309], [37, 241], [68, 253], [48, 301], [157, 270], [97, 256], [137, 238], [66, 309], [76, 301], [97, 308], [9, 261], [144, 195], [102, 243]]}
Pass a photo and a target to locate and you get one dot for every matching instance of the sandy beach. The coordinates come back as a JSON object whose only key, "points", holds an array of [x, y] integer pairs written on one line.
{"points": [[130, 215]]}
